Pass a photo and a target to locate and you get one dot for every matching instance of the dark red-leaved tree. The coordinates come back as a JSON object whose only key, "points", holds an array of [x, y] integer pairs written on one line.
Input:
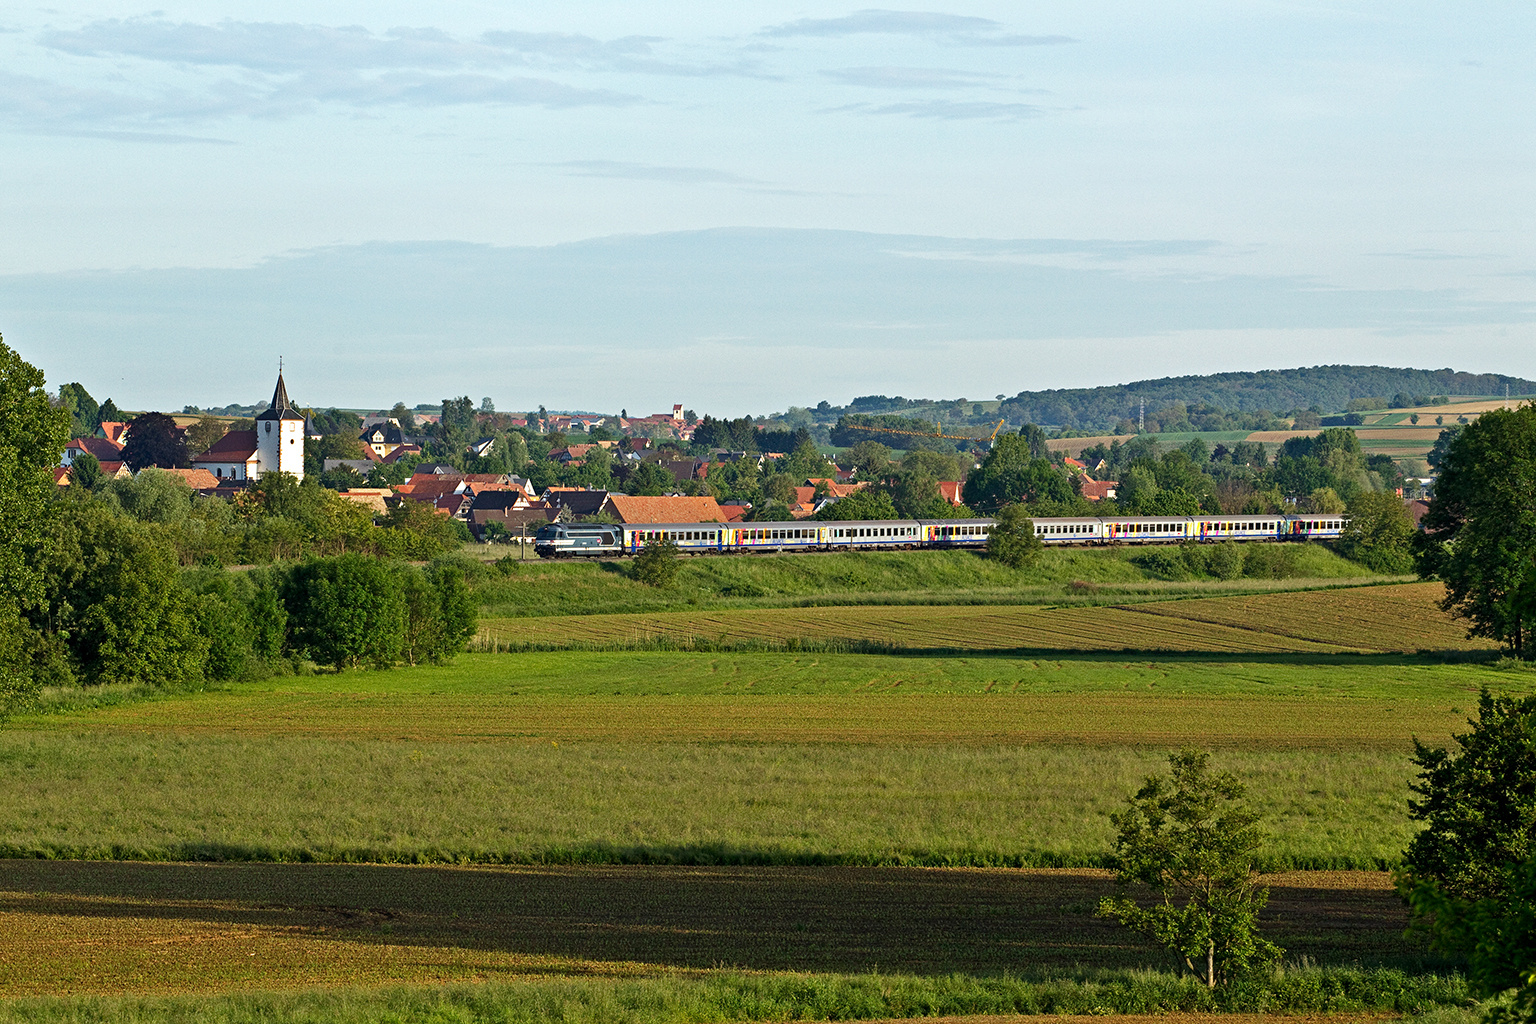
{"points": [[154, 440]]}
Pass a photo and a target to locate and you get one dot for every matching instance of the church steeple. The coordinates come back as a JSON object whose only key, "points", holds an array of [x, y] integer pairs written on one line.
{"points": [[281, 408]]}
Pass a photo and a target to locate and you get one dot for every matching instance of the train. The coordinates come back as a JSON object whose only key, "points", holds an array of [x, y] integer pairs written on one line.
{"points": [[568, 540]]}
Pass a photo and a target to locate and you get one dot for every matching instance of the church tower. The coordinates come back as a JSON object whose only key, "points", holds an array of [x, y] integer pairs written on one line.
{"points": [[280, 435]]}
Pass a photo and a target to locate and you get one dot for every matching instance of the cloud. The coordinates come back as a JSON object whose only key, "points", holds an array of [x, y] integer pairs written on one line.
{"points": [[419, 90], [946, 110], [872, 303], [270, 46], [954, 28], [650, 172], [908, 78]]}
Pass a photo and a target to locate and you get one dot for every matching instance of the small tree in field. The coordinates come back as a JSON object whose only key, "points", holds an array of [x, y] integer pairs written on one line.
{"points": [[656, 565], [1012, 540], [1193, 842]]}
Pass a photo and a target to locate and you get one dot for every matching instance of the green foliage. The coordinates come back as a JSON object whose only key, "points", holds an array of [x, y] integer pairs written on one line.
{"points": [[85, 472], [1480, 530], [85, 414], [32, 438], [1013, 540], [1193, 842], [115, 593], [867, 503], [440, 614], [346, 611], [1497, 933], [1478, 804], [1380, 533], [1011, 475], [657, 564]]}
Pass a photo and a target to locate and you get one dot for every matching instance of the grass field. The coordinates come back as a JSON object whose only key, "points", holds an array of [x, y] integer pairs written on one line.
{"points": [[1374, 619], [980, 759], [537, 587], [693, 837]]}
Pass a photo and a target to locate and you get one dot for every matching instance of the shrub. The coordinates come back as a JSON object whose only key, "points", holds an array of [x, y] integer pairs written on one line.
{"points": [[656, 565], [346, 610], [1013, 541]]}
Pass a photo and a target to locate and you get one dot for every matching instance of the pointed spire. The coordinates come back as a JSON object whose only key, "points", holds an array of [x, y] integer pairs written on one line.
{"points": [[280, 395]]}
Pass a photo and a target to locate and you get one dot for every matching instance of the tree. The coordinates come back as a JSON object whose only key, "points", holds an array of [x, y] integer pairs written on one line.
{"points": [[1013, 540], [1193, 842], [1470, 875], [85, 413], [108, 413], [656, 565], [85, 472], [870, 458], [346, 611], [154, 440], [116, 594], [867, 503], [1480, 529], [1380, 533], [32, 438], [202, 435], [1010, 474], [1478, 804]]}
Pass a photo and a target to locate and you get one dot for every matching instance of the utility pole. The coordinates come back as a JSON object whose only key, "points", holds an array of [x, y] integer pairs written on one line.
{"points": [[1141, 421]]}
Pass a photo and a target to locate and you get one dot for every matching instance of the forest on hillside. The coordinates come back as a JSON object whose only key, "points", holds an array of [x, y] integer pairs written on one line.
{"points": [[1322, 389]]}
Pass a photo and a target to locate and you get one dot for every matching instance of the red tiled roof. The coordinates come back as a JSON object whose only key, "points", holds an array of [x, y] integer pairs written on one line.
{"points": [[61, 477], [100, 447], [949, 490], [114, 431], [235, 446], [197, 479], [643, 509], [1097, 490], [401, 452]]}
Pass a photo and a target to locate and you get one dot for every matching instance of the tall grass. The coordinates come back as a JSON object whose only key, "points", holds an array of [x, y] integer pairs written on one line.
{"points": [[728, 997], [283, 798]]}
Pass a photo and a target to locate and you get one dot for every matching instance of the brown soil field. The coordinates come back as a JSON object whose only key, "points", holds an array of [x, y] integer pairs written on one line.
{"points": [[887, 715], [73, 928], [1397, 618], [1429, 434]]}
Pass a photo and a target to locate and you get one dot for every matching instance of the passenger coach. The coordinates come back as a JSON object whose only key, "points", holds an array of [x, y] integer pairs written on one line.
{"points": [[564, 540]]}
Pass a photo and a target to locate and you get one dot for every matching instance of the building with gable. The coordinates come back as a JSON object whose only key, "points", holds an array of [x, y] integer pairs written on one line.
{"points": [[276, 445]]}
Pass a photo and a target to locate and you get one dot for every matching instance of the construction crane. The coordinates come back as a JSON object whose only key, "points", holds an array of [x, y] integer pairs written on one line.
{"points": [[923, 433]]}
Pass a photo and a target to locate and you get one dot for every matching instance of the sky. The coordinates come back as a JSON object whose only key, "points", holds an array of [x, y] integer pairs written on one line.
{"points": [[746, 206]]}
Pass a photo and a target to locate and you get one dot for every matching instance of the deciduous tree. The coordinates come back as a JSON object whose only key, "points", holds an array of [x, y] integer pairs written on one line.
{"points": [[154, 440], [1192, 841], [1480, 529], [1013, 540]]}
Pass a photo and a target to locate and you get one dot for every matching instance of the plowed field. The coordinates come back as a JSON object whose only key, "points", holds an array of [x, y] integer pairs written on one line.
{"points": [[78, 928]]}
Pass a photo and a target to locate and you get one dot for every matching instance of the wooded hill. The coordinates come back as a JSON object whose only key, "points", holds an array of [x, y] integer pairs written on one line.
{"points": [[1323, 388]]}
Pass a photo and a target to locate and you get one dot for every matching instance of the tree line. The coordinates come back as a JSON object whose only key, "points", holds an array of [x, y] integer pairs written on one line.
{"points": [[125, 582]]}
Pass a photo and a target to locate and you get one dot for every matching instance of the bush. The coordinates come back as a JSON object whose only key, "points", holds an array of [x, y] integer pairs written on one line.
{"points": [[656, 565], [1225, 560], [1013, 540], [346, 610]]}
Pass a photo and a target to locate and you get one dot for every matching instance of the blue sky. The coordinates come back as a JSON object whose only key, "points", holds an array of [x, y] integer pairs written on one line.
{"points": [[745, 206]]}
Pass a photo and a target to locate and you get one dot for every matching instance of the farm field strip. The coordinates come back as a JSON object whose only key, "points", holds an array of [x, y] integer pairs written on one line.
{"points": [[93, 927], [1392, 618], [879, 716]]}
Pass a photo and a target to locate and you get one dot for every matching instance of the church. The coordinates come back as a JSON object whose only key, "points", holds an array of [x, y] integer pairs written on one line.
{"points": [[277, 444]]}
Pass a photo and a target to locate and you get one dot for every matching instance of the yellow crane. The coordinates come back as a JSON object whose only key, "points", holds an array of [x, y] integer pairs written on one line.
{"points": [[923, 433]]}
